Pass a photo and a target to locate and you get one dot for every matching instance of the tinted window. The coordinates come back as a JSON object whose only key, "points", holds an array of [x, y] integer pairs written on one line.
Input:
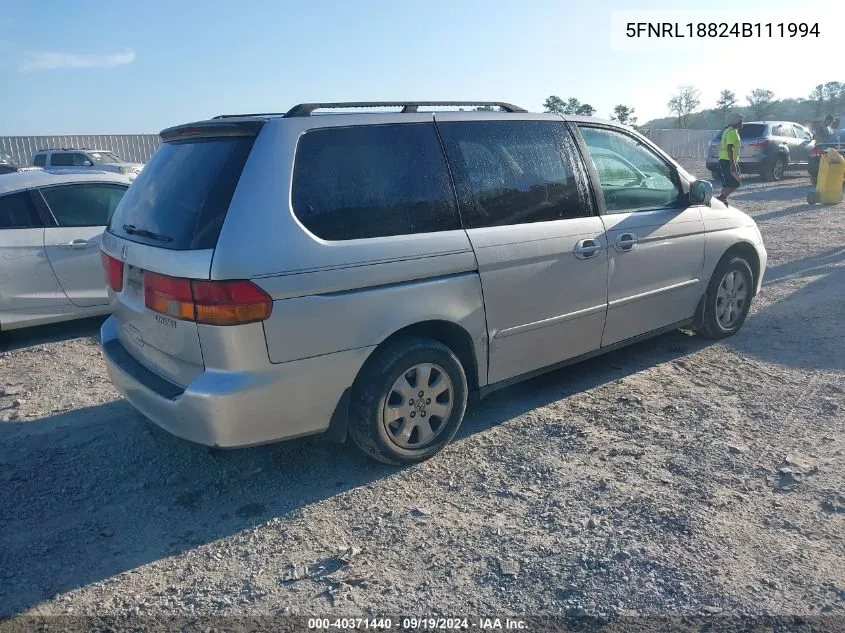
{"points": [[752, 130], [184, 192], [83, 205], [61, 160], [515, 172], [18, 212], [373, 181], [631, 175], [40, 160]]}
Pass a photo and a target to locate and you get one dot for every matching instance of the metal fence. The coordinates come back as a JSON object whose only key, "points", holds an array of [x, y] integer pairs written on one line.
{"points": [[138, 148], [135, 148], [683, 143]]}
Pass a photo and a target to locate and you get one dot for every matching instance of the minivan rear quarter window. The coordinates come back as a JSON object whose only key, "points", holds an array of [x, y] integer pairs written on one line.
{"points": [[181, 198], [373, 181]]}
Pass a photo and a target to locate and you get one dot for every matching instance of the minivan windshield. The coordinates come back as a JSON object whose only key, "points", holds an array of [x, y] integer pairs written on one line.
{"points": [[180, 199]]}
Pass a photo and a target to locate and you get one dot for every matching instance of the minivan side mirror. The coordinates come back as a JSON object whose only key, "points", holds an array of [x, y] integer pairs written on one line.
{"points": [[701, 192], [88, 163]]}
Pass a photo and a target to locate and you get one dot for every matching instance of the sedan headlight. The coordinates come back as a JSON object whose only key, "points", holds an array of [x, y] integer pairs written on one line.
{"points": [[127, 171]]}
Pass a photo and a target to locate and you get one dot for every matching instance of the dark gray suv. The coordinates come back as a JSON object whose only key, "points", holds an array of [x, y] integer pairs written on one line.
{"points": [[768, 148]]}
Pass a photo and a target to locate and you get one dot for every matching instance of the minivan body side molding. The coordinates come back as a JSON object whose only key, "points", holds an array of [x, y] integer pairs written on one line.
{"points": [[653, 293], [483, 392], [519, 329]]}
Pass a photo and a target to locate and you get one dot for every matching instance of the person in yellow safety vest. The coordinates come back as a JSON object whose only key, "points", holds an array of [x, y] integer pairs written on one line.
{"points": [[729, 158]]}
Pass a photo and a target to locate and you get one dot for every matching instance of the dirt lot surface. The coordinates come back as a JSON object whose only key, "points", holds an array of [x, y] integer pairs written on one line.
{"points": [[673, 477]]}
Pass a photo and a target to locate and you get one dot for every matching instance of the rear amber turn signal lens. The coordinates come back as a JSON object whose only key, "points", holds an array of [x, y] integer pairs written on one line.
{"points": [[230, 302], [208, 302]]}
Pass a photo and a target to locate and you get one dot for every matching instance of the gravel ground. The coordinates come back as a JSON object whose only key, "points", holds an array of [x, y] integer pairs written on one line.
{"points": [[675, 477]]}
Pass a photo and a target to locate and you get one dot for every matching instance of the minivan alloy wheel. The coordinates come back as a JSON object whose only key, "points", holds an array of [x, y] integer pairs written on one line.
{"points": [[730, 299], [726, 303], [779, 169], [408, 400], [418, 405]]}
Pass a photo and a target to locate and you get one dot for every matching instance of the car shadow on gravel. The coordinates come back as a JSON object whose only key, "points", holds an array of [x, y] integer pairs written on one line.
{"points": [[57, 332], [775, 192], [89, 494], [506, 404], [803, 329]]}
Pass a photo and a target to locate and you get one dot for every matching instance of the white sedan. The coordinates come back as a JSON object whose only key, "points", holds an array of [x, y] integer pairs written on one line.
{"points": [[51, 225]]}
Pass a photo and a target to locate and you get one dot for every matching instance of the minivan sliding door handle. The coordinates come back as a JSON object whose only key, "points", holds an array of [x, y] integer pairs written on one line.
{"points": [[625, 242]]}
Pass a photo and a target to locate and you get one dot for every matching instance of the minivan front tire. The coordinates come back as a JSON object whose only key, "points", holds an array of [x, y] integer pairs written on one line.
{"points": [[728, 299], [408, 402]]}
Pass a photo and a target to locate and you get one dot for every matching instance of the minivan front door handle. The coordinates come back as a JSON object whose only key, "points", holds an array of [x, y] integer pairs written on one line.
{"points": [[585, 249], [625, 242]]}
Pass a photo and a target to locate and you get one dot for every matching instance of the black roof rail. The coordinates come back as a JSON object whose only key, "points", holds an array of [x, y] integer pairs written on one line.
{"points": [[306, 109], [68, 149], [236, 116]]}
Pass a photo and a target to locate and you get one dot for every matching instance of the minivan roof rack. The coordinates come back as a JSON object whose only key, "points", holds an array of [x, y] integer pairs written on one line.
{"points": [[307, 109]]}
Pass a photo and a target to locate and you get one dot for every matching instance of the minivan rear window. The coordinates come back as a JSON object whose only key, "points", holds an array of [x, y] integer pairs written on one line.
{"points": [[182, 196]]}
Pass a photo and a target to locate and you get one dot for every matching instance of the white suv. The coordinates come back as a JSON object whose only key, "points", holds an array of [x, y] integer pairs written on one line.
{"points": [[100, 160]]}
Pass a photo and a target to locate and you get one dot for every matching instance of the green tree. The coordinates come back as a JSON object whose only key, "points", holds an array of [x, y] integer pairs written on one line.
{"points": [[760, 102], [684, 103], [726, 101], [817, 96], [624, 115], [585, 109], [554, 105]]}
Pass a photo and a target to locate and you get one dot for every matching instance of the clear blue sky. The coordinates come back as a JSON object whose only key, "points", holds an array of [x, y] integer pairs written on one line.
{"points": [[135, 67]]}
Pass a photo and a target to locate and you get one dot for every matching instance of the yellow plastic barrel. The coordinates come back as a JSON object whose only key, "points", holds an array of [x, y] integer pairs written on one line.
{"points": [[830, 180]]}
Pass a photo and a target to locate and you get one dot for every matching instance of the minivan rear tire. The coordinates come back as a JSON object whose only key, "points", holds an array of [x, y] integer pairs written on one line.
{"points": [[714, 326], [389, 386]]}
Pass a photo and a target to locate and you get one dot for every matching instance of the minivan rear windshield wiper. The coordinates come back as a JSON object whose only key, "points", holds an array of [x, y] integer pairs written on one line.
{"points": [[130, 228]]}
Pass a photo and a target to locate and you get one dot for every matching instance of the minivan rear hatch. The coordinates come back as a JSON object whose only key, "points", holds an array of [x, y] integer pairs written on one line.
{"points": [[159, 243]]}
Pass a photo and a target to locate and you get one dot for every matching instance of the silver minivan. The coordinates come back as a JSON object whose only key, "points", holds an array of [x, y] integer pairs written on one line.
{"points": [[367, 273]]}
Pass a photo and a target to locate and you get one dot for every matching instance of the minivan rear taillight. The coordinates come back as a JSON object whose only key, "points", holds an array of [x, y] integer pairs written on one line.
{"points": [[209, 302], [114, 271], [816, 152]]}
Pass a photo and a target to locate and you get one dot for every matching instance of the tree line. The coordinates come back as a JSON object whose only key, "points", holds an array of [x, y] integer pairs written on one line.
{"points": [[760, 103], [554, 104]]}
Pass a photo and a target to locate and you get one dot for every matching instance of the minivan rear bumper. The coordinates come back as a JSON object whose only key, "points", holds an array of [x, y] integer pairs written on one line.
{"points": [[236, 409]]}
